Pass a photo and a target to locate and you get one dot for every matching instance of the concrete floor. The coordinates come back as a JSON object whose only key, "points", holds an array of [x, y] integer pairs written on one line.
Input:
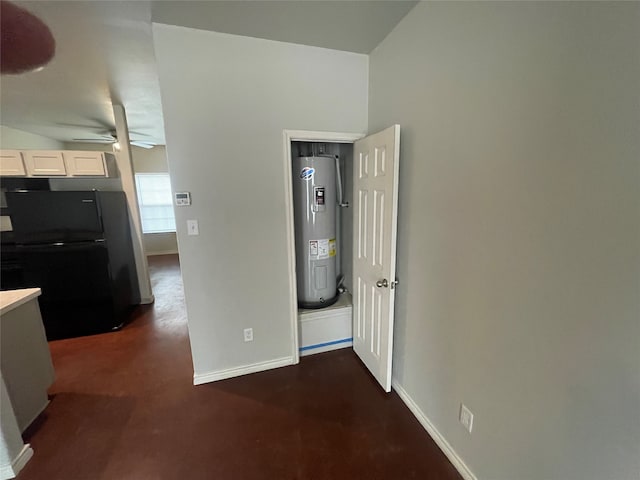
{"points": [[124, 407]]}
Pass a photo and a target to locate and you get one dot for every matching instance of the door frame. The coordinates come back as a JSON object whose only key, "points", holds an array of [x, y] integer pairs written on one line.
{"points": [[289, 136]]}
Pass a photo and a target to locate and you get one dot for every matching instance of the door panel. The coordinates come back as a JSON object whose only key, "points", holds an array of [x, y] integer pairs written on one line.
{"points": [[11, 164], [375, 222], [44, 163], [84, 163]]}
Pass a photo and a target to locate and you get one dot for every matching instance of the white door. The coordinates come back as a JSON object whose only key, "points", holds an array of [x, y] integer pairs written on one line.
{"points": [[375, 211]]}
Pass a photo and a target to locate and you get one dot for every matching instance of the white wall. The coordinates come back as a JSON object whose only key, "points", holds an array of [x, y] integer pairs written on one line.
{"points": [[519, 230], [14, 139], [226, 101]]}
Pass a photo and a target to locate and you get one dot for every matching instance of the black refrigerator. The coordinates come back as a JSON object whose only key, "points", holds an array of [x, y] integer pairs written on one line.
{"points": [[76, 247]]}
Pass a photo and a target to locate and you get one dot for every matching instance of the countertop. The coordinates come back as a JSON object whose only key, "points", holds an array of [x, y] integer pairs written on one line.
{"points": [[11, 299]]}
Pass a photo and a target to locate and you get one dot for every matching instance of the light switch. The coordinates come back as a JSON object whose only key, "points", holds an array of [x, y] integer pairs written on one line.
{"points": [[192, 227]]}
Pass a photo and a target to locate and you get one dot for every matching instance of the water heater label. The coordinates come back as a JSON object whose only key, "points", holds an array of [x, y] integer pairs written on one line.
{"points": [[313, 249], [321, 249], [307, 173]]}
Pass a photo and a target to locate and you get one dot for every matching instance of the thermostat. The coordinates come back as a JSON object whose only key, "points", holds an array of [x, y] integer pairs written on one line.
{"points": [[183, 199]]}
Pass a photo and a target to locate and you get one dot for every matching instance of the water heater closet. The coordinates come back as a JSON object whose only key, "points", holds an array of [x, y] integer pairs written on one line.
{"points": [[317, 192]]}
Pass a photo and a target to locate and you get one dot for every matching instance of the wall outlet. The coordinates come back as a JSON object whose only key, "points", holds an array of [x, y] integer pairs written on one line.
{"points": [[192, 227], [248, 334], [466, 417]]}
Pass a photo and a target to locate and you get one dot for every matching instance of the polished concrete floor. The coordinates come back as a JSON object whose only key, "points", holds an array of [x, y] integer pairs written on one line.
{"points": [[124, 407]]}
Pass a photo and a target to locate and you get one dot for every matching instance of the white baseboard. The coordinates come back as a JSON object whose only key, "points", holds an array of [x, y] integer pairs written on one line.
{"points": [[447, 449], [147, 300], [200, 378], [17, 464], [162, 252]]}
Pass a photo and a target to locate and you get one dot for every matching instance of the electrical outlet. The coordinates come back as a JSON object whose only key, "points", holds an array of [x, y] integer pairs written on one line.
{"points": [[192, 227], [466, 417], [248, 334]]}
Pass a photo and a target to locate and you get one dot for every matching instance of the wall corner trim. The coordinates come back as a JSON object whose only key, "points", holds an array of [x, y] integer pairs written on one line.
{"points": [[433, 432], [17, 464], [200, 378], [147, 300]]}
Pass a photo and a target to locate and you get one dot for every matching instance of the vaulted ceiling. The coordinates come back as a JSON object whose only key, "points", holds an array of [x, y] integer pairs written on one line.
{"points": [[105, 55]]}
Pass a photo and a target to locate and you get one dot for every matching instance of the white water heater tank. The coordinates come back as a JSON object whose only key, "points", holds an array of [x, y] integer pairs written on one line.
{"points": [[314, 200]]}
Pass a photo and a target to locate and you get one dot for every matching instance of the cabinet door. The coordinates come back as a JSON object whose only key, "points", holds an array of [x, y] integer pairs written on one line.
{"points": [[81, 164], [11, 164], [44, 163]]}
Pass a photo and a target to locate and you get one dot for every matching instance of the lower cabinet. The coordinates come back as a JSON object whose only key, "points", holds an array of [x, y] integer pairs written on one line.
{"points": [[25, 361]]}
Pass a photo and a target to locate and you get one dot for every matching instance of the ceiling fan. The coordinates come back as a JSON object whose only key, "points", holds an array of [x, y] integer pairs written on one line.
{"points": [[106, 133], [109, 136]]}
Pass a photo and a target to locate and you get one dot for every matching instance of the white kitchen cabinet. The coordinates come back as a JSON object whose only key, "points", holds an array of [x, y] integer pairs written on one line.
{"points": [[25, 358], [57, 163], [44, 163], [11, 164], [89, 164]]}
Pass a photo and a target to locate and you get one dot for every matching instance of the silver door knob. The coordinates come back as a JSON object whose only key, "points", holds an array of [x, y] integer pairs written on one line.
{"points": [[382, 283]]}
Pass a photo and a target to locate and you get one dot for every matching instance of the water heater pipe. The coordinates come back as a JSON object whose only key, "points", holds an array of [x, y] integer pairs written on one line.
{"points": [[340, 199], [341, 202], [339, 180]]}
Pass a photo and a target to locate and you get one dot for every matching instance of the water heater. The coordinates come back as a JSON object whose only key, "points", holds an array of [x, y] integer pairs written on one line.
{"points": [[314, 200]]}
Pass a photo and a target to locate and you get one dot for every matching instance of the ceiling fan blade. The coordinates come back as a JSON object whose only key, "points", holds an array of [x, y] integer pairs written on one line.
{"points": [[85, 126], [142, 144], [93, 140]]}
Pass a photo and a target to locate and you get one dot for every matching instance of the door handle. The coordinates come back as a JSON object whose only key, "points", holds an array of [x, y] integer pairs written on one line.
{"points": [[382, 283]]}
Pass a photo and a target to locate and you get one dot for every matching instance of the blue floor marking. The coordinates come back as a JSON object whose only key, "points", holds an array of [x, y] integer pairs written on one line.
{"points": [[318, 345]]}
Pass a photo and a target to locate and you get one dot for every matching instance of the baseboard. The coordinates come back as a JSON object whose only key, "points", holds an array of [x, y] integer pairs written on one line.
{"points": [[200, 378], [447, 449], [147, 300], [161, 252], [17, 464]]}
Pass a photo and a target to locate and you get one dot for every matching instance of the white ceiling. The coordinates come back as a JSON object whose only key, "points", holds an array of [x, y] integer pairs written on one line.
{"points": [[105, 54]]}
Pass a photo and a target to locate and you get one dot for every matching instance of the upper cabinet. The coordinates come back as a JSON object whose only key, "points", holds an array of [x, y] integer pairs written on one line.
{"points": [[85, 164], [44, 163], [11, 164], [57, 163]]}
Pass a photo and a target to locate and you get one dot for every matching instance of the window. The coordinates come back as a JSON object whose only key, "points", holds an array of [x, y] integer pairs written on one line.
{"points": [[155, 201]]}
